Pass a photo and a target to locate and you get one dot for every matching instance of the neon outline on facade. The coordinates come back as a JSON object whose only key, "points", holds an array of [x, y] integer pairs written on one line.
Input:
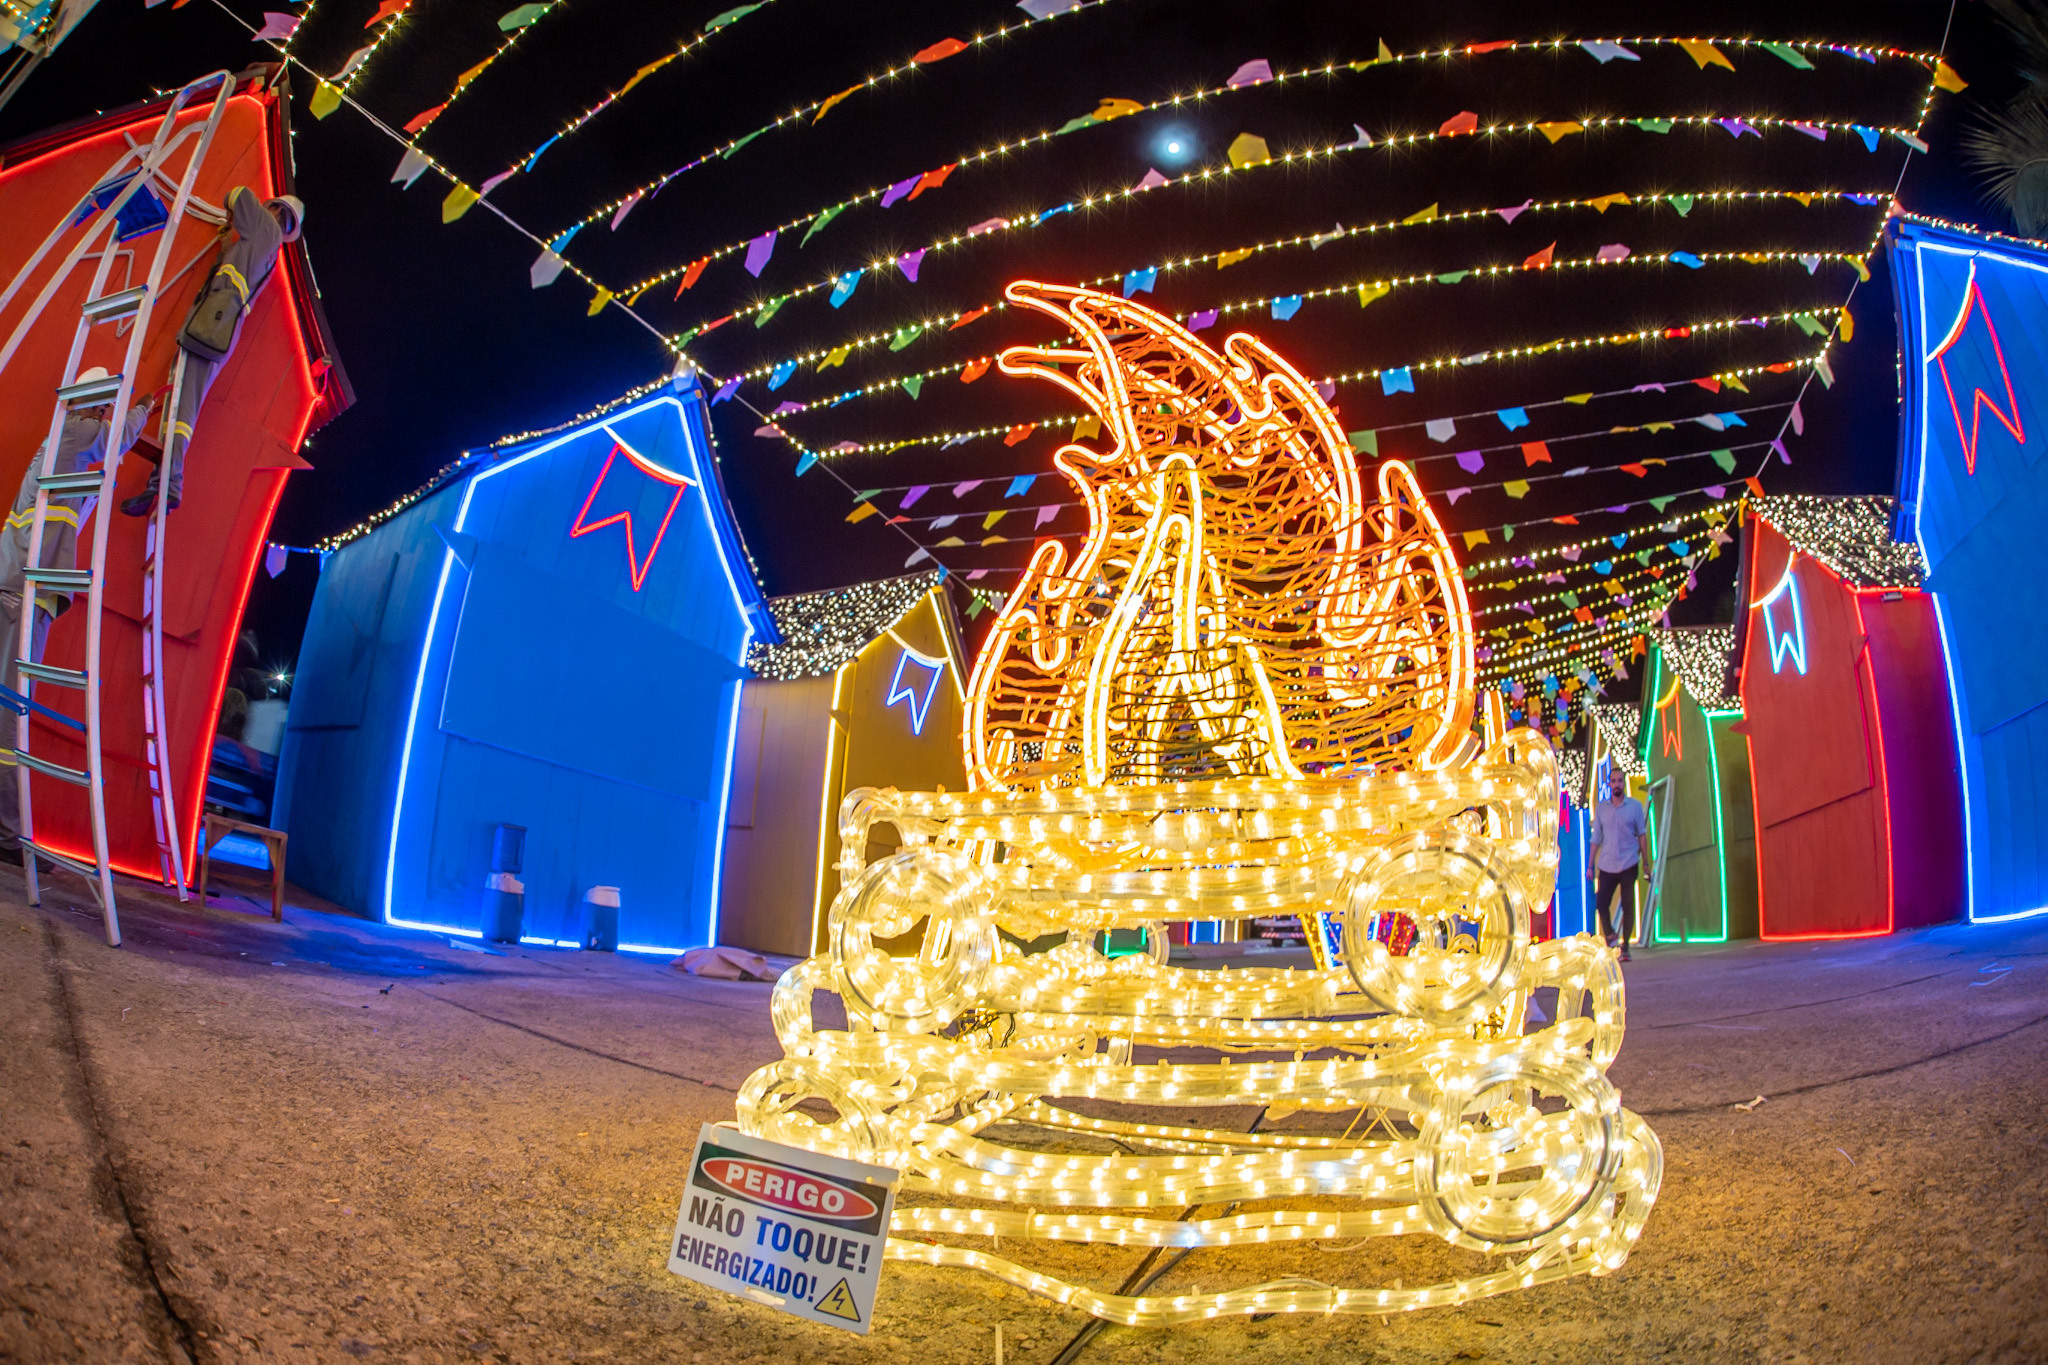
{"points": [[1250, 693]]}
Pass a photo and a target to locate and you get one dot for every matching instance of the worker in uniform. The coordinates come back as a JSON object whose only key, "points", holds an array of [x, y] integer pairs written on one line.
{"points": [[262, 227], [81, 444]]}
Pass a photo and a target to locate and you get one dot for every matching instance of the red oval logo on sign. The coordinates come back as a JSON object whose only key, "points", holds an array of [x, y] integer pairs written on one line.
{"points": [[798, 1191]]}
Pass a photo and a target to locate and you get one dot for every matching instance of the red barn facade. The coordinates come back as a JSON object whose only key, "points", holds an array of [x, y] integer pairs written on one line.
{"points": [[280, 383], [1858, 808]]}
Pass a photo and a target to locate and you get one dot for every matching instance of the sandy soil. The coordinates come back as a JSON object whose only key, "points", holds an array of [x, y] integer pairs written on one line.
{"points": [[330, 1141]]}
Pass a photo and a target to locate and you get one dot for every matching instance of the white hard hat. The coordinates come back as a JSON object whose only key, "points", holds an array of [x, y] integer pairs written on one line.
{"points": [[295, 212], [96, 372]]}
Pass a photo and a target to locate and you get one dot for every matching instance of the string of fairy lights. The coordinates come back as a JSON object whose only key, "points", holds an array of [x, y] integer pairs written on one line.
{"points": [[687, 272], [1553, 130], [1369, 291], [1704, 52]]}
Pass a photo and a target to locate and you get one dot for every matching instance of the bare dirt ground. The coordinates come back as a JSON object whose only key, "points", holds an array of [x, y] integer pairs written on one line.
{"points": [[326, 1140]]}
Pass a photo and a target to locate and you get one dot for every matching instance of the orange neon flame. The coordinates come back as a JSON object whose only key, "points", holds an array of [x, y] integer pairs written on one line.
{"points": [[1237, 606]]}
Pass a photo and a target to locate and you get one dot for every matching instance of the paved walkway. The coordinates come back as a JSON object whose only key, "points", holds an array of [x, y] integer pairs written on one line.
{"points": [[326, 1140]]}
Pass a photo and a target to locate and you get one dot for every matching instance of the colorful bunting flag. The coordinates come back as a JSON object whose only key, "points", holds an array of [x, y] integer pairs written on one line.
{"points": [[1364, 442], [908, 263], [900, 190], [1441, 428], [326, 99], [1286, 308], [1230, 258], [843, 287], [719, 21], [913, 385], [1516, 488], [1513, 418], [780, 374], [1604, 53], [836, 356], [1152, 181], [1511, 214], [1020, 485], [1397, 381], [1535, 453], [1705, 53], [931, 180], [1201, 320], [1368, 292], [1555, 131], [912, 494], [1019, 432], [965, 318], [818, 223], [973, 370], [1613, 251], [630, 202], [1541, 258], [521, 17], [1791, 55], [1251, 73], [459, 201], [1248, 149], [546, 268], [419, 121], [758, 252], [277, 27], [862, 512], [409, 167], [937, 52], [1140, 281], [1465, 121], [1471, 461], [1420, 216]]}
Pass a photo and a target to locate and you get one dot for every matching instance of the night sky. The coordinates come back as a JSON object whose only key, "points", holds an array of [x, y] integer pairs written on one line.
{"points": [[448, 347]]}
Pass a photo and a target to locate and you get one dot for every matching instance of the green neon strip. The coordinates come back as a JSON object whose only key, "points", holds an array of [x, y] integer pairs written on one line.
{"points": [[1720, 842], [1656, 680]]}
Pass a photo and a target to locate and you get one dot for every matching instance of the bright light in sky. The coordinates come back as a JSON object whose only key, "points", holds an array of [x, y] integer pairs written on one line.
{"points": [[1173, 147]]}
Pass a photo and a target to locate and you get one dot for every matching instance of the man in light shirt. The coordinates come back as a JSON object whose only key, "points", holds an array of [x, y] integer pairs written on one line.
{"points": [[1621, 845]]}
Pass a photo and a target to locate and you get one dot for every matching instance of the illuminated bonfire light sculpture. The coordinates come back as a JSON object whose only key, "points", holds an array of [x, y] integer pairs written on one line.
{"points": [[1249, 693]]}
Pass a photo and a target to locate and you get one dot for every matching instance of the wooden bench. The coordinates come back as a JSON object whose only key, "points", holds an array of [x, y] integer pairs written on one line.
{"points": [[219, 827]]}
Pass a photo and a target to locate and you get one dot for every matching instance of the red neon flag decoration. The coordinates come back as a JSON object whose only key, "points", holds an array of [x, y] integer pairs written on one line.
{"points": [[1973, 372]]}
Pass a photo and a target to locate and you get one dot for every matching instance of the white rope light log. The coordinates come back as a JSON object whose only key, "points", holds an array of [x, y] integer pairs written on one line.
{"points": [[995, 1045]]}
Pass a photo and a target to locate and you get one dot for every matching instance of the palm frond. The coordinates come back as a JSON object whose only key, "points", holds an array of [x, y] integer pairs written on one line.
{"points": [[2027, 23], [2010, 151]]}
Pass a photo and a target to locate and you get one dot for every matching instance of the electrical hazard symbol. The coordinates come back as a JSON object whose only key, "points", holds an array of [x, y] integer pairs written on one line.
{"points": [[838, 1301]]}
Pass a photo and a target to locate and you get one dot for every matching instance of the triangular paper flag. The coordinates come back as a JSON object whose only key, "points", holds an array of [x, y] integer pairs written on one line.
{"points": [[1248, 149], [277, 27], [1251, 73], [409, 167]]}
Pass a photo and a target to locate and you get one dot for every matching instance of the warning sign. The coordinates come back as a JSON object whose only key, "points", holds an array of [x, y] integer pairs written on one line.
{"points": [[784, 1227]]}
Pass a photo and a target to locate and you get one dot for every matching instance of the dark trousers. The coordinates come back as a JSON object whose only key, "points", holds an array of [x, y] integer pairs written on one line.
{"points": [[1606, 884]]}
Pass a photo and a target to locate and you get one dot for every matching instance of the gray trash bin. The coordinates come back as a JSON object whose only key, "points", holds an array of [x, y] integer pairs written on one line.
{"points": [[504, 907]]}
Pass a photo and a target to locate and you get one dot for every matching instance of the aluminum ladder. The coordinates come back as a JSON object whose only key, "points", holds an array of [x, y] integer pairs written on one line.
{"points": [[116, 390]]}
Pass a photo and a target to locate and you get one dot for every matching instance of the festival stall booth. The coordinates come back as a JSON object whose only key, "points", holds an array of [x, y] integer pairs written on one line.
{"points": [[1973, 493], [528, 679], [1696, 767], [280, 382], [1859, 829], [864, 690]]}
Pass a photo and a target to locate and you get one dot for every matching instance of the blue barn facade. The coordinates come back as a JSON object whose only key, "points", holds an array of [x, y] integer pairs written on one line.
{"points": [[1973, 490], [551, 640]]}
